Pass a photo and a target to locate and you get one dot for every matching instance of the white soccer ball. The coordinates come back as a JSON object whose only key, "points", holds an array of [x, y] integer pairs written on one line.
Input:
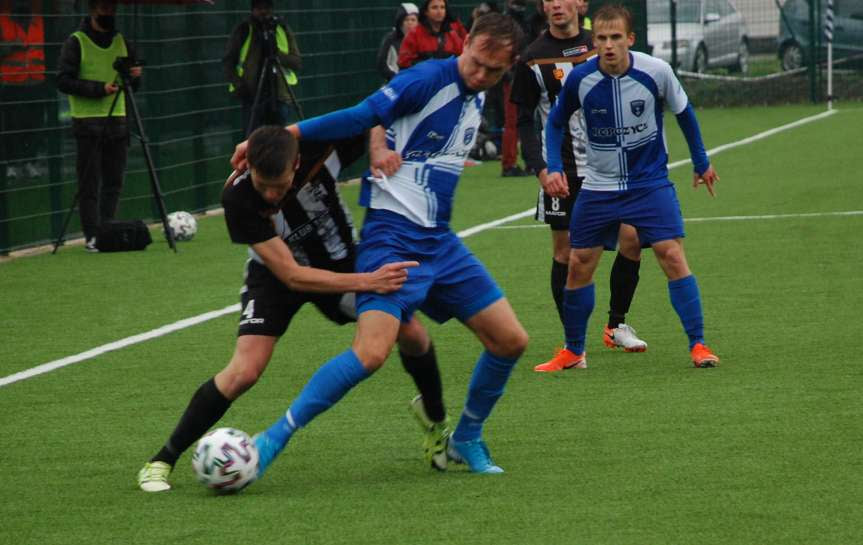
{"points": [[226, 459], [489, 150], [183, 225]]}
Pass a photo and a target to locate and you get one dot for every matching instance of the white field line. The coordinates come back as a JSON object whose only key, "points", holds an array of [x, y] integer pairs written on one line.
{"points": [[194, 320], [722, 218]]}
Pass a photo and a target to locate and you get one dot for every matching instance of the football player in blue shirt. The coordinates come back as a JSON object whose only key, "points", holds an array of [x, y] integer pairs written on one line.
{"points": [[621, 94], [432, 115]]}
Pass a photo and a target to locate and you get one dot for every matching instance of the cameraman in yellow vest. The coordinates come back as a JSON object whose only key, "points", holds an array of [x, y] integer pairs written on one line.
{"points": [[86, 73], [252, 41]]}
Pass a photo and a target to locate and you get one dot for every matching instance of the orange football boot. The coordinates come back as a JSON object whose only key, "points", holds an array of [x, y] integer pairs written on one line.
{"points": [[564, 359], [703, 357]]}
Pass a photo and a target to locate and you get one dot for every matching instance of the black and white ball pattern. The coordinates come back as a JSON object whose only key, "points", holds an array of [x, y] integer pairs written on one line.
{"points": [[183, 225]]}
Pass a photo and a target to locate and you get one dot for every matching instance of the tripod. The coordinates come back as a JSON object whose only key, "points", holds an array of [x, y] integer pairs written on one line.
{"points": [[126, 87], [272, 73]]}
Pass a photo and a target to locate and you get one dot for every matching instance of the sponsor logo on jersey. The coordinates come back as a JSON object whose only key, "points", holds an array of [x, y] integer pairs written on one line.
{"points": [[637, 107], [573, 51], [431, 135], [600, 111], [419, 155], [558, 73], [605, 132], [390, 93]]}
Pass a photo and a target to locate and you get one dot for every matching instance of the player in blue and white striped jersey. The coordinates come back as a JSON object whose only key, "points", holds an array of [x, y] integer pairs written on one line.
{"points": [[432, 114], [621, 95]]}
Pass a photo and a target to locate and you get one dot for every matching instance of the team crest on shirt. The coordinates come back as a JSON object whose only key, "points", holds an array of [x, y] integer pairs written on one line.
{"points": [[468, 135], [637, 107], [558, 73]]}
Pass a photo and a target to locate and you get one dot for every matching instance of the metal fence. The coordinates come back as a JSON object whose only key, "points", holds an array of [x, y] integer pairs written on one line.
{"points": [[193, 123], [191, 120]]}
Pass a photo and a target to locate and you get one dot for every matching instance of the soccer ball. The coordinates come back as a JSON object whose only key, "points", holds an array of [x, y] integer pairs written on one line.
{"points": [[226, 460], [183, 225]]}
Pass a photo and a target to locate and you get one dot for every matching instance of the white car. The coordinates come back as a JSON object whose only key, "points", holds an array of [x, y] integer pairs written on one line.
{"points": [[710, 34]]}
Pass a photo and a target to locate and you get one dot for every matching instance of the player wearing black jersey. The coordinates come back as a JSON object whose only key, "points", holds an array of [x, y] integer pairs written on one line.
{"points": [[539, 78], [301, 249]]}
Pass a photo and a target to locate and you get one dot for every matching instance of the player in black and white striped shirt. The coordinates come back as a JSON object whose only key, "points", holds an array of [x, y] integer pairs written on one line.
{"points": [[539, 78], [301, 247]]}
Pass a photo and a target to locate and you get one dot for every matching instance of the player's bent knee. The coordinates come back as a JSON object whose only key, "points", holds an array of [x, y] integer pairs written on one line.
{"points": [[372, 357], [511, 344]]}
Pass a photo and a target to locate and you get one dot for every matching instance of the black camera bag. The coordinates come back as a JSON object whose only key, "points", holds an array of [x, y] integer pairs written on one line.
{"points": [[123, 236]]}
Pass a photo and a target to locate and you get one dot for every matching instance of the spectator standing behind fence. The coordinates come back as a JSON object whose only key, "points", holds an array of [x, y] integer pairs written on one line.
{"points": [[251, 42], [437, 36], [22, 79], [407, 17], [97, 102], [517, 11]]}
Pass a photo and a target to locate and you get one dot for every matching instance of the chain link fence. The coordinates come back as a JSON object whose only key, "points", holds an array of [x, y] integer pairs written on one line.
{"points": [[755, 52], [752, 52]]}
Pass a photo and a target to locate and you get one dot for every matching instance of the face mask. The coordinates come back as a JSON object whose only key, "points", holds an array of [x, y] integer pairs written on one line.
{"points": [[105, 21]]}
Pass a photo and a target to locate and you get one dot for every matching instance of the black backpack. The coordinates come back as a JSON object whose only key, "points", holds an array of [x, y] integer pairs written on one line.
{"points": [[123, 236]]}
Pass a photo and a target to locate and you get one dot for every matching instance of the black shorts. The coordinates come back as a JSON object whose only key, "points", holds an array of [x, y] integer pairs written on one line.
{"points": [[268, 306], [556, 211]]}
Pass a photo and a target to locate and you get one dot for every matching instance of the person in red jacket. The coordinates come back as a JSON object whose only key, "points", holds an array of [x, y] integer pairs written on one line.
{"points": [[438, 36]]}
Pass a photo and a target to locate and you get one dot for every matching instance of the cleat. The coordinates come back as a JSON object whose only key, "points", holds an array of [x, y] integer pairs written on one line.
{"points": [[564, 359], [153, 477], [267, 451], [624, 337], [475, 454], [703, 357], [436, 435]]}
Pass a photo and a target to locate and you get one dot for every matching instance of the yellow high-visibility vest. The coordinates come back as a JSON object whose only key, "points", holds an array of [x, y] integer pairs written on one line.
{"points": [[281, 44], [97, 65]]}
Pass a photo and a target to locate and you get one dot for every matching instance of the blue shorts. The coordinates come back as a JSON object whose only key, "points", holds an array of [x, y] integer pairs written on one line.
{"points": [[653, 211], [449, 283]]}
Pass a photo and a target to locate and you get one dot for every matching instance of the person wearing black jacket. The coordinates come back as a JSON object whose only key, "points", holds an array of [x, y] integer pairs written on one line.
{"points": [[98, 108], [407, 17], [251, 42]]}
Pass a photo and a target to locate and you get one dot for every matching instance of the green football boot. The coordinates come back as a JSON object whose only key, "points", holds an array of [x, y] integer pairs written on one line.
{"points": [[436, 435]]}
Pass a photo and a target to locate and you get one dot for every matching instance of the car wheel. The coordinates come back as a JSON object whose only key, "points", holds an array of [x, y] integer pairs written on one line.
{"points": [[792, 57], [742, 65], [699, 64]]}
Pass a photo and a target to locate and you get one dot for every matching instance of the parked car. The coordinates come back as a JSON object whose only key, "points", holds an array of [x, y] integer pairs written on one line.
{"points": [[794, 44], [710, 34]]}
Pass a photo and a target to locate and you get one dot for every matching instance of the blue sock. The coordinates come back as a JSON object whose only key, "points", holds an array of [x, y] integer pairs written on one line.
{"points": [[328, 385], [686, 301], [486, 386], [577, 306]]}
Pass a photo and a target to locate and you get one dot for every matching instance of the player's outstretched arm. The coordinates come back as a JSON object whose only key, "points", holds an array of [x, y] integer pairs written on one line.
{"points": [[280, 261]]}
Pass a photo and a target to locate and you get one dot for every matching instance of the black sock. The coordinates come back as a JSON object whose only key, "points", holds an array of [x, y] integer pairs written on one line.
{"points": [[558, 284], [624, 279], [424, 370], [206, 407]]}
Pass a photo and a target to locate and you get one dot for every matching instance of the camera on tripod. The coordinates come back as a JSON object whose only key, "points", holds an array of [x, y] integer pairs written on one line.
{"points": [[269, 22], [124, 65]]}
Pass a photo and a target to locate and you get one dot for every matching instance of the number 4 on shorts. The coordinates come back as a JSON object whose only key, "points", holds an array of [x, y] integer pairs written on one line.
{"points": [[249, 311]]}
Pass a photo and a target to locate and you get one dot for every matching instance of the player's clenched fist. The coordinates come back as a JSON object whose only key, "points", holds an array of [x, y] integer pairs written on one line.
{"points": [[390, 277]]}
